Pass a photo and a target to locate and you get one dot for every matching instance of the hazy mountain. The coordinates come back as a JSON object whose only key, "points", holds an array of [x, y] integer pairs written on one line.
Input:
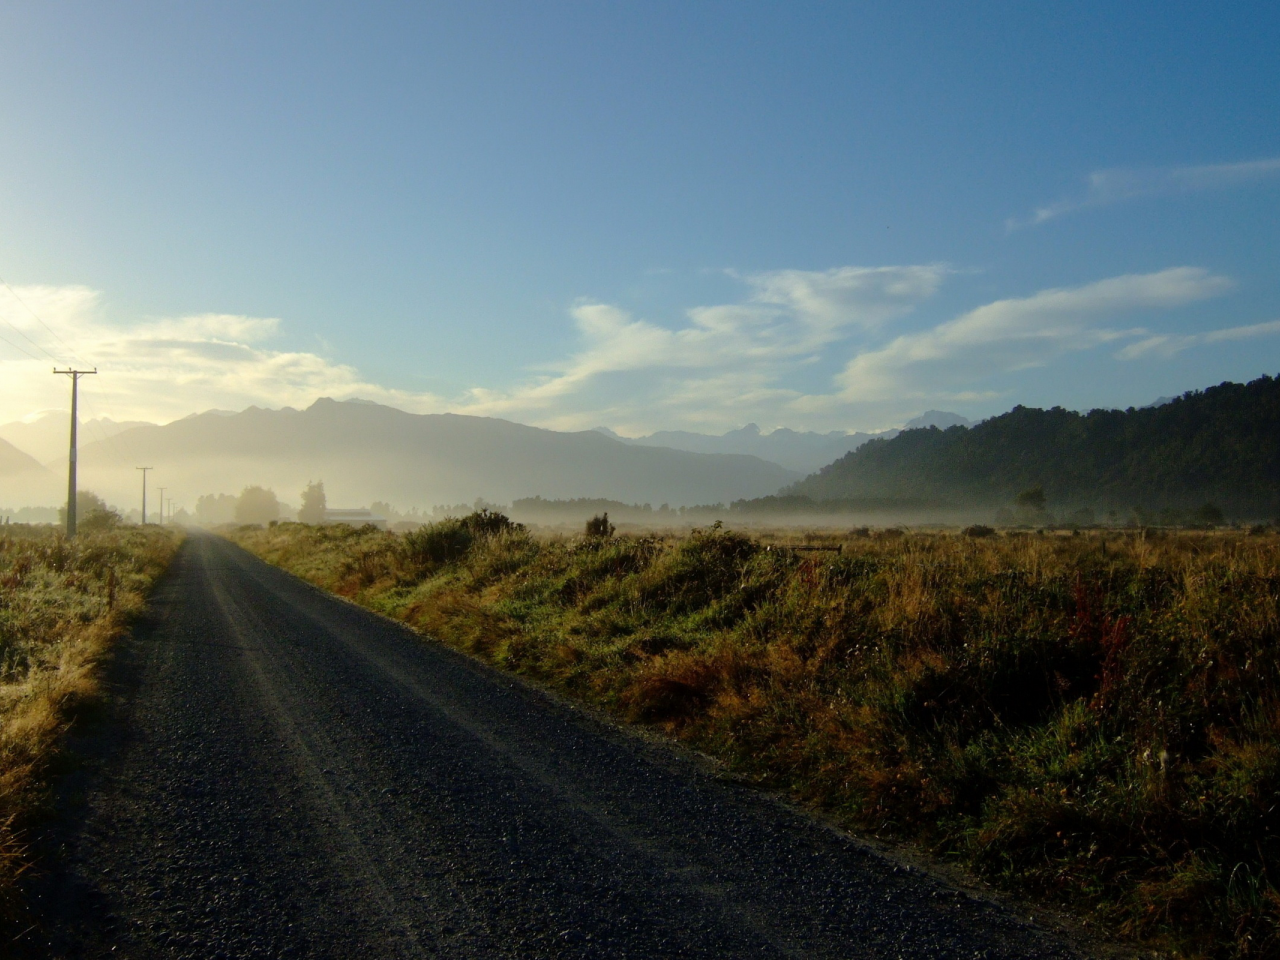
{"points": [[794, 449], [937, 418], [365, 452], [23, 480], [1221, 445], [46, 438]]}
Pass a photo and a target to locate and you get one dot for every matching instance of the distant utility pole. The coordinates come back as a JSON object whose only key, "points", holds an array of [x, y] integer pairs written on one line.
{"points": [[75, 376], [169, 501], [162, 490], [144, 492]]}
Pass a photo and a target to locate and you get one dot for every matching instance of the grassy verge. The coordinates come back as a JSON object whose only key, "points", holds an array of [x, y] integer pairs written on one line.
{"points": [[1093, 720], [61, 603]]}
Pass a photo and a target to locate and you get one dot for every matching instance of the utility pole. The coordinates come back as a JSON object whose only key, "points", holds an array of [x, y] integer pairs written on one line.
{"points": [[144, 492], [75, 376], [162, 490], [170, 502]]}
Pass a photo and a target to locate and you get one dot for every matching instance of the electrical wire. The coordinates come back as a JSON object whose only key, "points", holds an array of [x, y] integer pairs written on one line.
{"points": [[13, 293], [20, 349]]}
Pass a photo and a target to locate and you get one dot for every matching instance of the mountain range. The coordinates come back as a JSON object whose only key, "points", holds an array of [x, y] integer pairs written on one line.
{"points": [[23, 479], [804, 451], [365, 451], [46, 437]]}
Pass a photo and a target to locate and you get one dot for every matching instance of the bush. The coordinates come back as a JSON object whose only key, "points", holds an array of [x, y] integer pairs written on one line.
{"points": [[599, 526], [488, 523], [437, 543], [449, 540], [92, 513], [979, 530]]}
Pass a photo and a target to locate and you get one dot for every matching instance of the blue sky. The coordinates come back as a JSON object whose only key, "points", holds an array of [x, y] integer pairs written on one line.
{"points": [[823, 216]]}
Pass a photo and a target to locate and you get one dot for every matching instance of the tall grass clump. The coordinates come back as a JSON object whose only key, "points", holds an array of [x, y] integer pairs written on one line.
{"points": [[1092, 720], [61, 602]]}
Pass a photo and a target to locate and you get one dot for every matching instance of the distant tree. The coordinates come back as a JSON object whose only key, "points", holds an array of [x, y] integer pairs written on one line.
{"points": [[213, 509], [92, 512], [257, 505], [1083, 517], [1031, 499], [1209, 515], [313, 504]]}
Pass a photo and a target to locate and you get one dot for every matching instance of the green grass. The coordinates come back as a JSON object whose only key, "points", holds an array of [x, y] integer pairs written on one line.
{"points": [[1090, 720], [61, 604]]}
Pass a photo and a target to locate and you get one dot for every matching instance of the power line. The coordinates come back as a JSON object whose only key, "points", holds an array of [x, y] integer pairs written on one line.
{"points": [[39, 320], [20, 332], [21, 349]]}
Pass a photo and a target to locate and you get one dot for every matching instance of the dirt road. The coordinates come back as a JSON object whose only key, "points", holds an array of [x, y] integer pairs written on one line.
{"points": [[291, 776]]}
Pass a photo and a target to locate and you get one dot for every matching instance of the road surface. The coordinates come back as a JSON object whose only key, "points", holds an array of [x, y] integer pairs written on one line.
{"points": [[291, 776]]}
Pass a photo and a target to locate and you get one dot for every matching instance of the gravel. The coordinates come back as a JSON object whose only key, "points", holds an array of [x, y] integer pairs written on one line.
{"points": [[286, 775]]}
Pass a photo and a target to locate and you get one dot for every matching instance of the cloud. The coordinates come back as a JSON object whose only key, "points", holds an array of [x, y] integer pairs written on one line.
{"points": [[722, 365], [164, 368], [1014, 334], [724, 354], [1167, 345], [1105, 187]]}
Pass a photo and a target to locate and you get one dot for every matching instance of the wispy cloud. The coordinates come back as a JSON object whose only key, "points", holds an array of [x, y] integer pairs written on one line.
{"points": [[162, 368], [753, 359], [1014, 334], [723, 355], [1167, 345], [1105, 187]]}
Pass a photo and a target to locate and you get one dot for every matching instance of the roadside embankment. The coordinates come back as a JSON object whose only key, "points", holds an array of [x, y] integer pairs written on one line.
{"points": [[1092, 720], [62, 602]]}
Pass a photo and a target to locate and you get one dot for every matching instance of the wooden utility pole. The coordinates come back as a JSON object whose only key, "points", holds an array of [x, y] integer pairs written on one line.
{"points": [[75, 376], [162, 490], [144, 492]]}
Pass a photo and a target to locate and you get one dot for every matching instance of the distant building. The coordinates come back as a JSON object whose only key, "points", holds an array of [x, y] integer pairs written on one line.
{"points": [[356, 518]]}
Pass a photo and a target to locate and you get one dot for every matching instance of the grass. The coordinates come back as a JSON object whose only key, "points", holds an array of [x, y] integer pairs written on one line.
{"points": [[61, 604], [1092, 720]]}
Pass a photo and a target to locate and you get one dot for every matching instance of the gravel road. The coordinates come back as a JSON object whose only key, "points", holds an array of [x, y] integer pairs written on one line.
{"points": [[291, 776]]}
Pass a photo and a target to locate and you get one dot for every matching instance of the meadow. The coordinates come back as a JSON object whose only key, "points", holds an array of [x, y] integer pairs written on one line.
{"points": [[62, 602], [1091, 720]]}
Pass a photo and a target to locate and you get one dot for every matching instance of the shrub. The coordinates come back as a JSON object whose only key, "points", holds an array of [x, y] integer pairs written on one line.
{"points": [[449, 540], [979, 530], [599, 526], [488, 523], [437, 543]]}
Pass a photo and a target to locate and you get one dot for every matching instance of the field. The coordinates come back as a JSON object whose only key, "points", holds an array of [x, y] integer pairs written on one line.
{"points": [[1092, 720], [61, 603]]}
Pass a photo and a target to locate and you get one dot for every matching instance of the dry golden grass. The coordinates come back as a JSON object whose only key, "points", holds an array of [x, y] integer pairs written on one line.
{"points": [[1092, 719], [61, 604]]}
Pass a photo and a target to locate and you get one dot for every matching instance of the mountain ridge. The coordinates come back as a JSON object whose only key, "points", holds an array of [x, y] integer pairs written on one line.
{"points": [[367, 451], [1219, 445]]}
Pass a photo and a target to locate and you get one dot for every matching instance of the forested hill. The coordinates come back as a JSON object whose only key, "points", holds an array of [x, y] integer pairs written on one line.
{"points": [[1220, 445]]}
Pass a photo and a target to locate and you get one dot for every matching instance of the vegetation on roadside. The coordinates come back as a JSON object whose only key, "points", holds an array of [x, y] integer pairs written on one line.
{"points": [[1093, 719], [61, 602]]}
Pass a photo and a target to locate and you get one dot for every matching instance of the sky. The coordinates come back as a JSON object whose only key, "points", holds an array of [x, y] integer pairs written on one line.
{"points": [[641, 216]]}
